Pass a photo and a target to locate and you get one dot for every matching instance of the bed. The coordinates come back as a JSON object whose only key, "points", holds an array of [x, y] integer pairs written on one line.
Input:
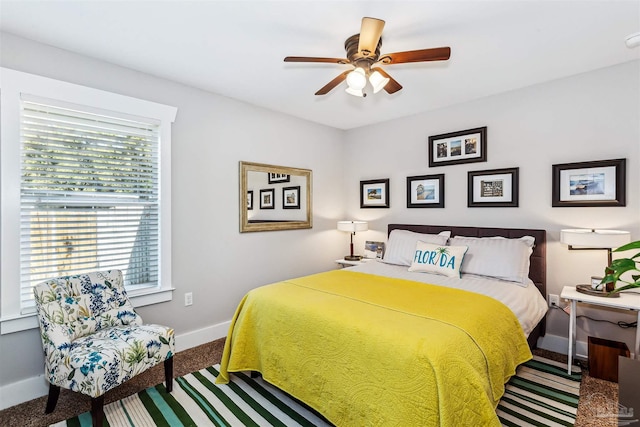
{"points": [[378, 344]]}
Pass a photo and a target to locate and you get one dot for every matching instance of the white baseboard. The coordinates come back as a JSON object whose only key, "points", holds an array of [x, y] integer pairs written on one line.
{"points": [[201, 336], [561, 345], [34, 387]]}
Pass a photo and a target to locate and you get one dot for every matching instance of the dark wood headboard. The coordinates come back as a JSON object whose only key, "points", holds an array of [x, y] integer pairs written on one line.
{"points": [[538, 260]]}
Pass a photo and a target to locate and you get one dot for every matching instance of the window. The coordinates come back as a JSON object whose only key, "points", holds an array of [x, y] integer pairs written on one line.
{"points": [[86, 188]]}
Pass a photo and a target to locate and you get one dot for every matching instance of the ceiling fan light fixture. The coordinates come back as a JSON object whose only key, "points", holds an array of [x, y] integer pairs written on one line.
{"points": [[355, 92], [363, 53], [357, 79], [378, 81]]}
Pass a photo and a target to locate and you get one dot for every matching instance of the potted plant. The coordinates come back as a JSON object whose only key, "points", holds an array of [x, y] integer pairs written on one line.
{"points": [[621, 266]]}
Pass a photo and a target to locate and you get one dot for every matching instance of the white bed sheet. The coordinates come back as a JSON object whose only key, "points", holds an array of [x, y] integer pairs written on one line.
{"points": [[527, 303]]}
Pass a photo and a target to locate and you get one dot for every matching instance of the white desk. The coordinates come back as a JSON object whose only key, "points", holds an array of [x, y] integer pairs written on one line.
{"points": [[626, 301]]}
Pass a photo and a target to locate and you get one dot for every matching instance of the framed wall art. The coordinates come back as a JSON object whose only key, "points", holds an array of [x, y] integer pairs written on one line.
{"points": [[493, 188], [374, 193], [291, 197], [250, 200], [595, 183], [267, 199], [466, 146], [275, 178], [373, 249], [425, 191]]}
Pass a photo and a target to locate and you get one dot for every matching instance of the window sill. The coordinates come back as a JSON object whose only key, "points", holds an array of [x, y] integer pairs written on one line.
{"points": [[11, 324]]}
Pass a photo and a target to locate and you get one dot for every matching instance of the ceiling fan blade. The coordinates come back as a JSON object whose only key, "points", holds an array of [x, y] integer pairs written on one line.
{"points": [[333, 83], [314, 59], [393, 86], [370, 32], [421, 55]]}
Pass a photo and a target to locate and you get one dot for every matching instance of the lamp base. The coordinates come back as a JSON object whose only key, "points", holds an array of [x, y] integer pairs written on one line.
{"points": [[353, 257]]}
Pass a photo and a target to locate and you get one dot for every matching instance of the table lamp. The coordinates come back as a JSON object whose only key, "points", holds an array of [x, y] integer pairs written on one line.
{"points": [[592, 239], [352, 227]]}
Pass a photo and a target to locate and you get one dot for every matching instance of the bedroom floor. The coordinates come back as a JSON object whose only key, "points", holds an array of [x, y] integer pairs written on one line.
{"points": [[596, 396]]}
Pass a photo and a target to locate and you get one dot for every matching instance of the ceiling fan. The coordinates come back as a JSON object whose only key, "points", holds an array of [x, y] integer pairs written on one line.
{"points": [[363, 52]]}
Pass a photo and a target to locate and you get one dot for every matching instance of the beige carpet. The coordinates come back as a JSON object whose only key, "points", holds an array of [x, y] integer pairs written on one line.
{"points": [[595, 394]]}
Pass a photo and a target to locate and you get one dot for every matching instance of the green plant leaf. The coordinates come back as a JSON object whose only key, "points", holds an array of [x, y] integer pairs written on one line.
{"points": [[622, 263], [163, 340], [626, 287], [629, 246]]}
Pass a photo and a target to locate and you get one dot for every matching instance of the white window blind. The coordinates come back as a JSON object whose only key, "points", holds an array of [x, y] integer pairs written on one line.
{"points": [[89, 195]]}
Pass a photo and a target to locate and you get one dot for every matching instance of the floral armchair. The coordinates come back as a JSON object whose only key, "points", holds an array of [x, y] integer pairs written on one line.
{"points": [[93, 339]]}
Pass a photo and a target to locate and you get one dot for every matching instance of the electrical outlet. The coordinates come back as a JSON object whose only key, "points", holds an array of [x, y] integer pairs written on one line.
{"points": [[188, 299], [554, 300]]}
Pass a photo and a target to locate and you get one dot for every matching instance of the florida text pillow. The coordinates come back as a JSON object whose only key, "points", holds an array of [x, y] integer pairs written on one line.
{"points": [[439, 259]]}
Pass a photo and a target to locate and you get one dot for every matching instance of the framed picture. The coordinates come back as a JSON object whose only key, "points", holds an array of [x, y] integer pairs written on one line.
{"points": [[493, 188], [291, 197], [596, 183], [275, 178], [426, 191], [373, 249], [266, 199], [453, 148], [374, 193], [250, 200]]}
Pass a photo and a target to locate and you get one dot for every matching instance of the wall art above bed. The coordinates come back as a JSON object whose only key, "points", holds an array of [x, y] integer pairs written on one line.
{"points": [[596, 183], [493, 188], [425, 191], [374, 193], [466, 146]]}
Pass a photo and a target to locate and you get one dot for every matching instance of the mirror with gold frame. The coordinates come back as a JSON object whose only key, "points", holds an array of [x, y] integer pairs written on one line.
{"points": [[274, 197]]}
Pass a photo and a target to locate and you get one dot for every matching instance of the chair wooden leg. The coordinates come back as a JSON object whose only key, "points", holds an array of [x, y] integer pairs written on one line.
{"points": [[97, 410], [168, 373], [52, 400]]}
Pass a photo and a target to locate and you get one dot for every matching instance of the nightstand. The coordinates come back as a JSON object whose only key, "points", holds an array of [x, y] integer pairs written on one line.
{"points": [[626, 301], [344, 263]]}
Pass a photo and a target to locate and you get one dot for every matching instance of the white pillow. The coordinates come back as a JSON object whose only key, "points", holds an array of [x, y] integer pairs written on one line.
{"points": [[402, 245], [498, 257], [439, 259]]}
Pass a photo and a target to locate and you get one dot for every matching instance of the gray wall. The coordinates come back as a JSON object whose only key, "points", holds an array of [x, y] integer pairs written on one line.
{"points": [[211, 135], [592, 116]]}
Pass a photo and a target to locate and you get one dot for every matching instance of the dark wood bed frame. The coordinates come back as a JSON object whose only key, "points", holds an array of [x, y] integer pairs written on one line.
{"points": [[538, 260]]}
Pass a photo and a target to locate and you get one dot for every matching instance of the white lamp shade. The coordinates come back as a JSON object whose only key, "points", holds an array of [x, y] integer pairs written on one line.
{"points": [[354, 92], [588, 238], [378, 81], [357, 79], [353, 226]]}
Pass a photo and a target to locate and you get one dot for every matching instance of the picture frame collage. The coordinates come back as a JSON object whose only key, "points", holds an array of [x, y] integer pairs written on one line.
{"points": [[267, 196], [582, 184]]}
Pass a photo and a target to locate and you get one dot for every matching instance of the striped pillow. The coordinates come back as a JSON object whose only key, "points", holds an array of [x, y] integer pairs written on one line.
{"points": [[402, 245], [497, 257]]}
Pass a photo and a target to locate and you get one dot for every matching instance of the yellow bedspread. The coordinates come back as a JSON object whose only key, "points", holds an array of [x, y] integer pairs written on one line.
{"points": [[367, 350]]}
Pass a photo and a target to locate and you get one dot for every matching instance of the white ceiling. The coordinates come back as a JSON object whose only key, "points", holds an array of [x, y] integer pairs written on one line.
{"points": [[236, 48]]}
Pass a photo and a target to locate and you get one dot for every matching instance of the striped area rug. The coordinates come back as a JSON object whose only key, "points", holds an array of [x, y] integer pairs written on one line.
{"points": [[540, 393]]}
